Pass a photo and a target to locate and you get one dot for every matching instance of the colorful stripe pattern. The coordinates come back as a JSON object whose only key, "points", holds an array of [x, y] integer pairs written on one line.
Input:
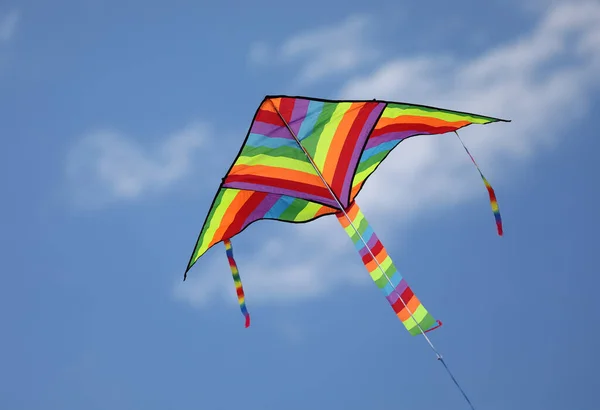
{"points": [[491, 193], [333, 133], [233, 210], [405, 303], [401, 121], [239, 289], [272, 178]]}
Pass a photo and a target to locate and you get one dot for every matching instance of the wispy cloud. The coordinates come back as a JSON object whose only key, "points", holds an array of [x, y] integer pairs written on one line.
{"points": [[322, 52], [542, 81], [105, 166], [8, 25]]}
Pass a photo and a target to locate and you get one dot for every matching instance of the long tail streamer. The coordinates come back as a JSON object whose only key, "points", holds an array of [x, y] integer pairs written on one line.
{"points": [[237, 280], [491, 193], [400, 296]]}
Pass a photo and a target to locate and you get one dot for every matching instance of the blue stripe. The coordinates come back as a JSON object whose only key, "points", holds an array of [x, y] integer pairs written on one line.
{"points": [[395, 279], [312, 115], [259, 140], [366, 234], [279, 207], [386, 146]]}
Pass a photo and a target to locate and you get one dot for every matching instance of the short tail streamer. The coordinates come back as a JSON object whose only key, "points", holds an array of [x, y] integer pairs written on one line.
{"points": [[237, 280], [491, 193]]}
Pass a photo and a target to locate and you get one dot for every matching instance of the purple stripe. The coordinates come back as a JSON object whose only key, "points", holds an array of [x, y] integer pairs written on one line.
{"points": [[270, 130], [370, 243], [262, 208], [390, 136], [364, 134], [393, 297], [299, 114], [289, 192]]}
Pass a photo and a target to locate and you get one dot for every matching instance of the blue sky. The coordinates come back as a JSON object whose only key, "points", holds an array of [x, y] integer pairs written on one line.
{"points": [[119, 120]]}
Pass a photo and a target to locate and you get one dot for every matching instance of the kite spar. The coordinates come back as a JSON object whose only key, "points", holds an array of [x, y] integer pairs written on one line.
{"points": [[304, 158]]}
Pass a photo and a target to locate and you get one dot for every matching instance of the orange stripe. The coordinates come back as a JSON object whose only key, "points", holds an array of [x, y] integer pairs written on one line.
{"points": [[412, 304], [236, 204], [337, 142], [372, 265], [324, 210], [435, 122], [267, 106], [277, 172], [351, 212]]}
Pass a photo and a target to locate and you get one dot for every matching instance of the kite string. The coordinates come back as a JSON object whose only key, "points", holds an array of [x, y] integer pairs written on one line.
{"points": [[439, 356]]}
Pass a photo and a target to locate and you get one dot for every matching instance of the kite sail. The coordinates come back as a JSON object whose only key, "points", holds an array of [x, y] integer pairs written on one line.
{"points": [[304, 158]]}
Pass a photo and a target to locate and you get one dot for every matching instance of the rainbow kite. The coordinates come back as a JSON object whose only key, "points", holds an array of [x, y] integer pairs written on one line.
{"points": [[304, 158]]}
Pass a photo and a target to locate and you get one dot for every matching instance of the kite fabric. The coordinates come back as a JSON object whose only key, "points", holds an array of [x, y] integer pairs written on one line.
{"points": [[272, 177], [405, 303], [304, 158]]}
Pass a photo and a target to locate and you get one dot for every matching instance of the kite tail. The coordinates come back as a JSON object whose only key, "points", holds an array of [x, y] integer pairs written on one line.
{"points": [[491, 193], [400, 296], [237, 280]]}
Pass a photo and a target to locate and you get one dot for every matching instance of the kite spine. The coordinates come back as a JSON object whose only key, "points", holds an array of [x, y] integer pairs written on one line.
{"points": [[341, 207], [439, 356]]}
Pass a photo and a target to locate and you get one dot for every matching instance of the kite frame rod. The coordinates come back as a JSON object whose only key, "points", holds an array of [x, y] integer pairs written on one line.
{"points": [[439, 356]]}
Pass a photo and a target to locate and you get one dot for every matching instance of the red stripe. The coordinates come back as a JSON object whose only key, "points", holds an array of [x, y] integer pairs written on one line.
{"points": [[378, 247], [251, 204], [406, 296], [349, 147], [275, 183], [417, 128], [286, 108], [269, 117]]}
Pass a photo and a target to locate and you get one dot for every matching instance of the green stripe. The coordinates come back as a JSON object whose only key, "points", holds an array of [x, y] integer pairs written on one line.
{"points": [[285, 151], [209, 223], [310, 142], [382, 281], [327, 134], [363, 165], [293, 209], [308, 212], [278, 162], [396, 110]]}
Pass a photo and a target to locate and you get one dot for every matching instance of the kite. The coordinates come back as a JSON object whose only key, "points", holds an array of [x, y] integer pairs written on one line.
{"points": [[304, 158]]}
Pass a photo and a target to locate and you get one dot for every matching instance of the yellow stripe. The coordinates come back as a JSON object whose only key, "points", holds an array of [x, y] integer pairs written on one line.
{"points": [[217, 218], [393, 112], [279, 162], [327, 134]]}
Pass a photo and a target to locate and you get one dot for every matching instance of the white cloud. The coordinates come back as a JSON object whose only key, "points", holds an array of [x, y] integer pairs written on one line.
{"points": [[105, 166], [542, 81], [322, 52], [274, 269], [8, 25]]}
